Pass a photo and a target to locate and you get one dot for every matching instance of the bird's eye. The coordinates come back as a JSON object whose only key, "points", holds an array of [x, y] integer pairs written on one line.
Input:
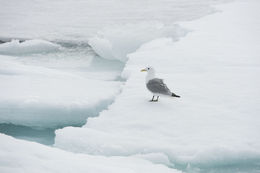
{"points": [[148, 68]]}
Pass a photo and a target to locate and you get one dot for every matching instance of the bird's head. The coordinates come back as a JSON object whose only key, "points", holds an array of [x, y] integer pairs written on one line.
{"points": [[148, 69], [150, 73]]}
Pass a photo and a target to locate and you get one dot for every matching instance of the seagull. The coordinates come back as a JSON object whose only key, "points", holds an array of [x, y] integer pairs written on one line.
{"points": [[156, 86]]}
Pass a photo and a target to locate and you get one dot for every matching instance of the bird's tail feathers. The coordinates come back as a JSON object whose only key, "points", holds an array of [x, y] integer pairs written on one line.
{"points": [[174, 95]]}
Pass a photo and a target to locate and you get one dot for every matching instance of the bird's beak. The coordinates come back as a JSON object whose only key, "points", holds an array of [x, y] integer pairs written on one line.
{"points": [[143, 70]]}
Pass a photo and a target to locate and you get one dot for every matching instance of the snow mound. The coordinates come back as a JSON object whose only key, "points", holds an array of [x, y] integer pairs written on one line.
{"points": [[215, 123], [114, 43], [30, 157], [16, 47]]}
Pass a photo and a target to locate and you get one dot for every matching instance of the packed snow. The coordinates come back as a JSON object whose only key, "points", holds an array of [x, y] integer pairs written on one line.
{"points": [[214, 126]]}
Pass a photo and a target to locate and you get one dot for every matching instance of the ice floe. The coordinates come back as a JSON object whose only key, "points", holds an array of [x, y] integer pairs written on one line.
{"points": [[15, 47], [215, 123], [30, 157], [41, 97]]}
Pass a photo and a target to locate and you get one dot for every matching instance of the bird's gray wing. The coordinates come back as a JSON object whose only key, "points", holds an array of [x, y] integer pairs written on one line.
{"points": [[158, 86]]}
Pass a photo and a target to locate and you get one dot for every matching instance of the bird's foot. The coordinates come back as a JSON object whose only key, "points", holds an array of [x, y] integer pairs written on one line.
{"points": [[153, 100]]}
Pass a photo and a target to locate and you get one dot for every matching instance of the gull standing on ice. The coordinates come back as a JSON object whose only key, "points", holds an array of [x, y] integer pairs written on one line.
{"points": [[156, 85]]}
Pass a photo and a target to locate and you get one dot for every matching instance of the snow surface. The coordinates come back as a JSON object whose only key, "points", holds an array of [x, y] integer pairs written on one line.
{"points": [[215, 123], [29, 157]]}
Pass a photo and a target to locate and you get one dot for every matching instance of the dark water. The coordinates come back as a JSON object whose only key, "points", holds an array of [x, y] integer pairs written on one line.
{"points": [[43, 136]]}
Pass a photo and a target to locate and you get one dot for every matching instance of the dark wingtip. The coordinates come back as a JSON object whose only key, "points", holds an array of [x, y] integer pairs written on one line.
{"points": [[174, 95]]}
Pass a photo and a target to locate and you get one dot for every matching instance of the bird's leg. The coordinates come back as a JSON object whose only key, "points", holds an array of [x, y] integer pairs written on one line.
{"points": [[152, 99], [157, 99]]}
